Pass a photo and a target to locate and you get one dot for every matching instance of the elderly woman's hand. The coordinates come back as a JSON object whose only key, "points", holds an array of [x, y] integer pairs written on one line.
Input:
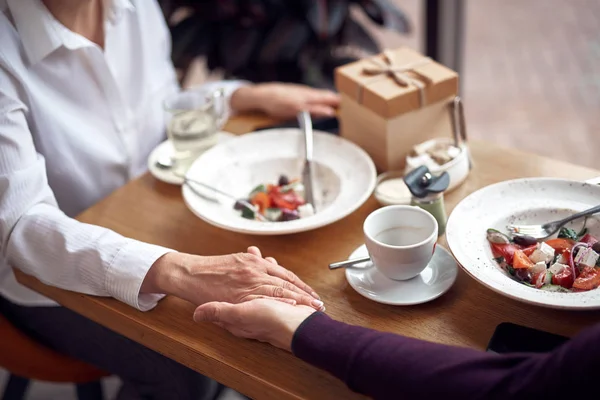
{"points": [[284, 100], [233, 278], [263, 319]]}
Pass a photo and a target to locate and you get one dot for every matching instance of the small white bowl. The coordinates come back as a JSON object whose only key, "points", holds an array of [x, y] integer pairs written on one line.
{"points": [[458, 168], [391, 190]]}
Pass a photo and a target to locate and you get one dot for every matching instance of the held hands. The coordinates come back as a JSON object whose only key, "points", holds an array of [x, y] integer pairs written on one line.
{"points": [[266, 320], [233, 278], [284, 100]]}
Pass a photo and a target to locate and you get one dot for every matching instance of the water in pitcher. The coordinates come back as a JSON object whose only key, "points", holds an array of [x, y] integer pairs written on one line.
{"points": [[192, 132]]}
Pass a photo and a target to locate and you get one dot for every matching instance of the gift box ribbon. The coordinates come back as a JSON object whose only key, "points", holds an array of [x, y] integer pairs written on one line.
{"points": [[399, 73]]}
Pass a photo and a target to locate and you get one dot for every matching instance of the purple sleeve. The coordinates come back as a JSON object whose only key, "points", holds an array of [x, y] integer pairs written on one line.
{"points": [[384, 365]]}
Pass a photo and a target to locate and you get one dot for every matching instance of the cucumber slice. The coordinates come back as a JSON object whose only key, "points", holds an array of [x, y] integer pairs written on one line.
{"points": [[248, 213], [258, 189], [273, 214]]}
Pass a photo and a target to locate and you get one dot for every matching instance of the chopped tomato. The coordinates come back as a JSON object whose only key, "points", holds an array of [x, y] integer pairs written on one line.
{"points": [[588, 279], [272, 188], [293, 198], [561, 245], [589, 239], [281, 203], [520, 260], [261, 200], [288, 201], [506, 251], [564, 278], [529, 250]]}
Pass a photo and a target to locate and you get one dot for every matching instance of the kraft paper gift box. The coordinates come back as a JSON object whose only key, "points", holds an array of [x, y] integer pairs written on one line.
{"points": [[394, 101]]}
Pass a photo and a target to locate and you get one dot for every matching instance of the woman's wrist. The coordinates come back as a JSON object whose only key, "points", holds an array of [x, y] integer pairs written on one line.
{"points": [[165, 275], [287, 327], [246, 99]]}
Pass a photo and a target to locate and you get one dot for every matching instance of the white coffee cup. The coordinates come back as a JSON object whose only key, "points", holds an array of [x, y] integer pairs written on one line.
{"points": [[400, 240]]}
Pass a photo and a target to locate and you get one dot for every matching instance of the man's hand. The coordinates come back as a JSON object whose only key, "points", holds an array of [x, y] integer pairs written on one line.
{"points": [[264, 319], [233, 278], [284, 100]]}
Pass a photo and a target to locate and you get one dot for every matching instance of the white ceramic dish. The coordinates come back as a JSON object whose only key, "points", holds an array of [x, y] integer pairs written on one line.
{"points": [[457, 168], [391, 190], [431, 283], [166, 149], [594, 181], [524, 201], [344, 177]]}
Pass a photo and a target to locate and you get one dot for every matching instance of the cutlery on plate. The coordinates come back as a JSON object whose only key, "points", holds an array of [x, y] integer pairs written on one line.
{"points": [[191, 182], [307, 180], [166, 162], [348, 263], [546, 230]]}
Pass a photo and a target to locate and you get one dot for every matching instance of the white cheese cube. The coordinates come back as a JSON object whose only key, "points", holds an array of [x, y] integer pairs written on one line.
{"points": [[538, 267], [543, 253], [299, 189], [557, 268], [586, 256], [306, 210]]}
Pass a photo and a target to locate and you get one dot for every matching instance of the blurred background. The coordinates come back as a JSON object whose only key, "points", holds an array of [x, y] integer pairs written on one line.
{"points": [[530, 70]]}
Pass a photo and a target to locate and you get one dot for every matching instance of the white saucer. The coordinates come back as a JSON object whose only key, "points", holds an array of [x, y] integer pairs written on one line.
{"points": [[166, 149], [434, 281]]}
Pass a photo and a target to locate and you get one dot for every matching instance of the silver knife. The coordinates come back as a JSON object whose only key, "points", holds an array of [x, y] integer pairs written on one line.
{"points": [[307, 180]]}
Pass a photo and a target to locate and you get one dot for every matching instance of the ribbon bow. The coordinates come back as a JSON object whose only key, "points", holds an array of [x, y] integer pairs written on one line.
{"points": [[399, 72]]}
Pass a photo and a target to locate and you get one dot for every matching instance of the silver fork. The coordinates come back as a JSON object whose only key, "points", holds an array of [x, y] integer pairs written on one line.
{"points": [[191, 182], [546, 230]]}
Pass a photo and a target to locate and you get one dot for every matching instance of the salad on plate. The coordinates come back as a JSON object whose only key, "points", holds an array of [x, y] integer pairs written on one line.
{"points": [[568, 263], [279, 202]]}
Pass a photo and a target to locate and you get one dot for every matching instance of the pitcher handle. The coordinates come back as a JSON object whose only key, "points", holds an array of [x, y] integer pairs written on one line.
{"points": [[457, 115], [221, 107], [459, 127]]}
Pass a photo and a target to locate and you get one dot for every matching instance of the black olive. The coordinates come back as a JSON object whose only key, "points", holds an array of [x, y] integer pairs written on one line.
{"points": [[596, 247], [283, 180], [289, 215], [523, 274], [240, 205], [524, 240]]}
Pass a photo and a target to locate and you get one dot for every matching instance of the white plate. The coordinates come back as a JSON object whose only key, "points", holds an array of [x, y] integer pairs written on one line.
{"points": [[523, 201], [344, 177], [166, 149], [434, 281], [594, 181]]}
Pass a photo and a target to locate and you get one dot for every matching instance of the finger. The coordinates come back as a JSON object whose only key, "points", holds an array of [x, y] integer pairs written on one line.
{"points": [[215, 311], [321, 110], [324, 97], [287, 275], [277, 292], [271, 260], [254, 251], [283, 300]]}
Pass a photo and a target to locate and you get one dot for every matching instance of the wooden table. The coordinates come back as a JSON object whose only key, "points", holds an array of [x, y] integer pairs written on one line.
{"points": [[152, 211]]}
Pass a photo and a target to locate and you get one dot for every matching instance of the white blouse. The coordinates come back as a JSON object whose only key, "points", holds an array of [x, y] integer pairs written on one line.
{"points": [[76, 123]]}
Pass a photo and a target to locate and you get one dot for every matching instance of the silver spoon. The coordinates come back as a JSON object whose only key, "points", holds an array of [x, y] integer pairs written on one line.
{"points": [[349, 263], [166, 163]]}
